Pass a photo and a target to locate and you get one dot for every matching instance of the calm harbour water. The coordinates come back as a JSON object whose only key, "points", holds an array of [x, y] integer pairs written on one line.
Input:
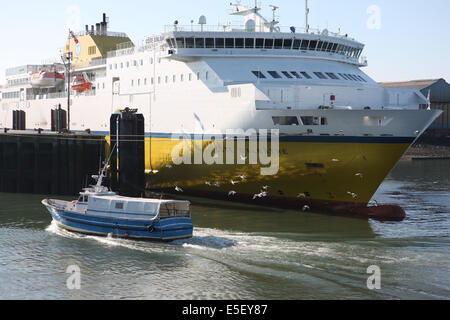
{"points": [[243, 252]]}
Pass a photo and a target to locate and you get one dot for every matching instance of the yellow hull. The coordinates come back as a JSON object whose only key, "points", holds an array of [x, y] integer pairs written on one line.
{"points": [[348, 172]]}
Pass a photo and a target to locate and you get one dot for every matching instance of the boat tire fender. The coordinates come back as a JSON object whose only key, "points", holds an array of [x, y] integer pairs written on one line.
{"points": [[151, 229]]}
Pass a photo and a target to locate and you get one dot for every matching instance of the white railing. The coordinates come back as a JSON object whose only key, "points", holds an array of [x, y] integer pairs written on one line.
{"points": [[241, 28]]}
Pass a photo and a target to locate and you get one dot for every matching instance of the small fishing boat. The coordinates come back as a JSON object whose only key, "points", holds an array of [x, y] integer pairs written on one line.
{"points": [[101, 212]]}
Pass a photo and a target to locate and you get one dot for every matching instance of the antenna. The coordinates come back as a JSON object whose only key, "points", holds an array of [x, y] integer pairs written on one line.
{"points": [[306, 16]]}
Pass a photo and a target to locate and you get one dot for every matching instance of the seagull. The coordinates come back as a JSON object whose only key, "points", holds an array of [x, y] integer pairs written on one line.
{"points": [[354, 195], [260, 195], [336, 160], [234, 182], [359, 175], [168, 166], [242, 177], [243, 158], [178, 189], [232, 193], [208, 183], [265, 188], [306, 208], [301, 195]]}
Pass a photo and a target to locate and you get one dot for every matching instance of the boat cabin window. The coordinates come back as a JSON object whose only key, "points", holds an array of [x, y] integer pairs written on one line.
{"points": [[220, 43], [209, 42], [278, 44], [239, 43], [268, 44], [287, 74], [199, 43], [296, 44], [189, 42], [332, 75], [306, 75], [296, 75], [249, 43], [259, 43], [259, 74], [83, 199], [119, 205], [274, 74], [310, 121], [180, 42], [287, 44], [285, 121], [320, 75], [229, 43]]}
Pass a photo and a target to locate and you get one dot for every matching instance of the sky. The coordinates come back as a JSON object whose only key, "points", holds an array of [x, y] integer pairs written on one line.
{"points": [[405, 39]]}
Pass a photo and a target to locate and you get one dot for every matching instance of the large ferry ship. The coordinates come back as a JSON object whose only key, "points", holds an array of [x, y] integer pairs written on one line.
{"points": [[340, 133]]}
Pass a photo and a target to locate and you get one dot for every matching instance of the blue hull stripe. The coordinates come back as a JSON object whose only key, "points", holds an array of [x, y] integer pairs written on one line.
{"points": [[295, 138]]}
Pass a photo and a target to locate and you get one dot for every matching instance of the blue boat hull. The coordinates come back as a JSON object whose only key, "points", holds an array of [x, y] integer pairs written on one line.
{"points": [[160, 230]]}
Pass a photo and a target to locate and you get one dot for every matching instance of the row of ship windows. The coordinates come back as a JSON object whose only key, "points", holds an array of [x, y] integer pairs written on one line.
{"points": [[10, 95], [166, 79], [261, 43], [303, 74], [128, 64], [304, 120], [18, 81]]}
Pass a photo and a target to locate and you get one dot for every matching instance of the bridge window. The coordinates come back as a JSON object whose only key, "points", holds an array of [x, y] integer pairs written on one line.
{"points": [[274, 74], [229, 43], [189, 43], [305, 45], [268, 44], [119, 205], [312, 45], [220, 43], [199, 43], [330, 46], [296, 44], [296, 75], [334, 48], [209, 42], [306, 75], [239, 43], [259, 74], [287, 74], [343, 76], [249, 43], [287, 44], [278, 43], [319, 46], [180, 42], [325, 46], [259, 43]]}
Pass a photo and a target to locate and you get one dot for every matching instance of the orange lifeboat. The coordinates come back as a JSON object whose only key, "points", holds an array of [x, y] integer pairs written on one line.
{"points": [[81, 83], [46, 79]]}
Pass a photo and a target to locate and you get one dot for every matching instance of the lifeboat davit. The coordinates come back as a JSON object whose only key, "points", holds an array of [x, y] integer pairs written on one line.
{"points": [[46, 79], [81, 83]]}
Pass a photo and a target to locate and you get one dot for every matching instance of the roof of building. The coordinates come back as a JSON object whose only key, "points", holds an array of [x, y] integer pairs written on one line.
{"points": [[413, 84]]}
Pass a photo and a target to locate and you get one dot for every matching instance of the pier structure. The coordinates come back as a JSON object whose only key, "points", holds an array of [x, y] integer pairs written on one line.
{"points": [[48, 163]]}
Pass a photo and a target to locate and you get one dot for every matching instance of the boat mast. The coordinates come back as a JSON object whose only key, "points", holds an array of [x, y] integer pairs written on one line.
{"points": [[306, 16]]}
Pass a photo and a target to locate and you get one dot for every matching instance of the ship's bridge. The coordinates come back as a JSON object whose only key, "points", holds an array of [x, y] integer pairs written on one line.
{"points": [[260, 37], [188, 45]]}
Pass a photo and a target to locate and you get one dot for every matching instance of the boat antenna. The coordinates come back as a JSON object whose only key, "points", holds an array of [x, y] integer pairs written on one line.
{"points": [[102, 175], [306, 16]]}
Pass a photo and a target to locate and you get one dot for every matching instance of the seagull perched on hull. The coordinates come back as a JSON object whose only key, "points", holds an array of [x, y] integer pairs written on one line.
{"points": [[260, 195], [354, 195], [178, 189], [242, 177], [234, 182], [301, 195], [232, 193], [306, 208]]}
